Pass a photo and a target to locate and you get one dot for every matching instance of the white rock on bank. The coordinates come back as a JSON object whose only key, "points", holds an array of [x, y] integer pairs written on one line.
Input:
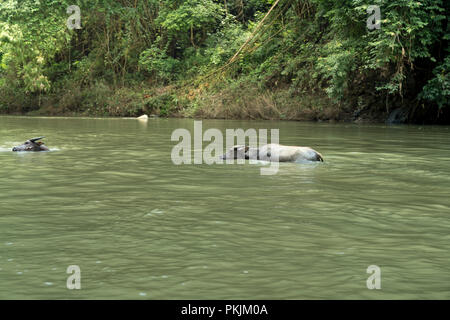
{"points": [[143, 117]]}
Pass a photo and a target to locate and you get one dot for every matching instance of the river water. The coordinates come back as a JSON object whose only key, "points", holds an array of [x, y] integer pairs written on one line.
{"points": [[109, 200]]}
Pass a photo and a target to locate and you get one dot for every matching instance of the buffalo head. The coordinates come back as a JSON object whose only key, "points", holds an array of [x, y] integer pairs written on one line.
{"points": [[32, 145]]}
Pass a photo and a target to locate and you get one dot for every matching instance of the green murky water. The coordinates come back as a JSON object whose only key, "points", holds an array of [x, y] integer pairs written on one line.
{"points": [[109, 199]]}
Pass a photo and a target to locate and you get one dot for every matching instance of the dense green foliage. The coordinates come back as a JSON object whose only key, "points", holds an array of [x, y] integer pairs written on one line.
{"points": [[306, 59]]}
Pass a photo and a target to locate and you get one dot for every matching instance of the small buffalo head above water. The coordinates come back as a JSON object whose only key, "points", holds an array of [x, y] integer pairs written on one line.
{"points": [[32, 145]]}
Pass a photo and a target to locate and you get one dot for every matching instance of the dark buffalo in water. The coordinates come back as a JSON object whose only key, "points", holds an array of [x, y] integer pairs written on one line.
{"points": [[32, 145]]}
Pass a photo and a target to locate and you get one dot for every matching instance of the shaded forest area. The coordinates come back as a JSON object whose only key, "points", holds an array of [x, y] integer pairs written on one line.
{"points": [[234, 59]]}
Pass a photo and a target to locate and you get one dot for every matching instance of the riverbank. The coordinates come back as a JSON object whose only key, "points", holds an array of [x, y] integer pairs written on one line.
{"points": [[229, 103], [241, 101]]}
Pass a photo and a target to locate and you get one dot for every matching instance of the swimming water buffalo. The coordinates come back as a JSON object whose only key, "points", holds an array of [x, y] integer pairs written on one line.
{"points": [[274, 153], [32, 145]]}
